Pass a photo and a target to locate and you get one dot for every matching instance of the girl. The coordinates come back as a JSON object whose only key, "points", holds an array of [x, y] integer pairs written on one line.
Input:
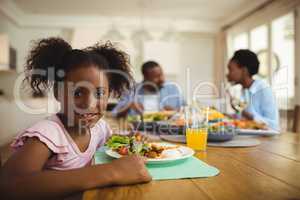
{"points": [[53, 156]]}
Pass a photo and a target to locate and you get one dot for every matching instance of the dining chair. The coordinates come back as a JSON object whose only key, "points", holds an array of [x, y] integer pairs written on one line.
{"points": [[1, 157], [296, 121], [5, 153], [286, 119]]}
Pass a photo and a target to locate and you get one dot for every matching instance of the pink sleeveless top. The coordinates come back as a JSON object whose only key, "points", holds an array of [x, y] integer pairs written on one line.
{"points": [[66, 154]]}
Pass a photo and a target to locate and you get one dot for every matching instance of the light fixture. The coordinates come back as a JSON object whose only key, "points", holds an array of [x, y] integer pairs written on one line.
{"points": [[113, 34], [170, 35], [141, 33]]}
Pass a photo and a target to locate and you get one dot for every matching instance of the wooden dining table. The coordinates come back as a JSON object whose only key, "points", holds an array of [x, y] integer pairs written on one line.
{"points": [[268, 171]]}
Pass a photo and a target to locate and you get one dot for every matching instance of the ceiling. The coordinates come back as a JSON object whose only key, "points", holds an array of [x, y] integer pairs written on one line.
{"points": [[175, 9]]}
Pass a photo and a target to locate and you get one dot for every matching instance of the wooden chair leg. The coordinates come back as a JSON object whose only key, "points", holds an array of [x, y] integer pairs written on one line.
{"points": [[296, 122]]}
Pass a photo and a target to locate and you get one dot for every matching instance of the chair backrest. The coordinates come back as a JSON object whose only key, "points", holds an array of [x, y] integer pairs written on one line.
{"points": [[286, 120], [296, 121]]}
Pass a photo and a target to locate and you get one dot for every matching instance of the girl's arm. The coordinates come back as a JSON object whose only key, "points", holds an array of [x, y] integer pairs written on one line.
{"points": [[23, 176]]}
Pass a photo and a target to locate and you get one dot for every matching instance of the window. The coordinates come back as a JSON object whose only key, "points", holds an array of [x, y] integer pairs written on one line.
{"points": [[241, 42], [259, 38], [283, 49], [259, 44]]}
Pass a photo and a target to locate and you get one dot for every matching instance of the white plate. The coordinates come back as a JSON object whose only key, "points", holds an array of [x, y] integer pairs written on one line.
{"points": [[268, 132], [174, 138], [185, 152]]}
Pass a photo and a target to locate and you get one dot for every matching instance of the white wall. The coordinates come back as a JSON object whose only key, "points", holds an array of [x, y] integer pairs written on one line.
{"points": [[195, 51], [21, 39], [13, 119]]}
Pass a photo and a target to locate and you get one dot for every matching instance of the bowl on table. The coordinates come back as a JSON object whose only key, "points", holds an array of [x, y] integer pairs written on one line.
{"points": [[221, 131], [221, 136], [215, 133]]}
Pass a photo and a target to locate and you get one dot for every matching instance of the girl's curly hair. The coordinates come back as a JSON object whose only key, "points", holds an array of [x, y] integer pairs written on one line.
{"points": [[118, 70], [51, 56]]}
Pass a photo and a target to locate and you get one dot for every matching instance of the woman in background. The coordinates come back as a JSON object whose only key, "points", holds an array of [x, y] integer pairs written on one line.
{"points": [[258, 95]]}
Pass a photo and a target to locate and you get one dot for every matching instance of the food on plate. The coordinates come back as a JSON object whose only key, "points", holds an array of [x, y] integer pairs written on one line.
{"points": [[217, 121], [136, 144], [133, 118], [152, 117], [221, 126], [215, 115], [249, 124], [227, 122], [179, 122], [128, 144]]}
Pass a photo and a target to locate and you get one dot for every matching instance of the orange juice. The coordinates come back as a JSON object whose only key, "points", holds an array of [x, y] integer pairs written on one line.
{"points": [[196, 138]]}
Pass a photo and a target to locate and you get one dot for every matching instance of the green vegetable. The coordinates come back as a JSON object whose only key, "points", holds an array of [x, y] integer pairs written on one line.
{"points": [[133, 118], [134, 146], [117, 141], [158, 118]]}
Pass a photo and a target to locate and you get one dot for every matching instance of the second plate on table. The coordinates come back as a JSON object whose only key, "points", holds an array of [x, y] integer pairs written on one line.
{"points": [[216, 137], [174, 138], [268, 132]]}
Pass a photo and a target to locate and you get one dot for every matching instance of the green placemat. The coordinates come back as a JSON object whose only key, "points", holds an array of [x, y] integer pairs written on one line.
{"points": [[188, 168]]}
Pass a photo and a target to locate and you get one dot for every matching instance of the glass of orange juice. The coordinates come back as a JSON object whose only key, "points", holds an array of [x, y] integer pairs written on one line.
{"points": [[196, 138], [196, 128]]}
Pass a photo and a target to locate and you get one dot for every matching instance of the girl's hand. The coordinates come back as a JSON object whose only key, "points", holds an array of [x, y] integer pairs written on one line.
{"points": [[130, 170]]}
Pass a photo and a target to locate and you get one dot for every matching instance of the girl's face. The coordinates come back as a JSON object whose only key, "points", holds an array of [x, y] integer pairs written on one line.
{"points": [[85, 97]]}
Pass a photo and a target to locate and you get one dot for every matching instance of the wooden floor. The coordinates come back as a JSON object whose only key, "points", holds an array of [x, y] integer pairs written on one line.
{"points": [[269, 171]]}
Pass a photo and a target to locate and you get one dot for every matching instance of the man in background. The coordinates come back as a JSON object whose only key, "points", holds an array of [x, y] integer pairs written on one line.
{"points": [[152, 94]]}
